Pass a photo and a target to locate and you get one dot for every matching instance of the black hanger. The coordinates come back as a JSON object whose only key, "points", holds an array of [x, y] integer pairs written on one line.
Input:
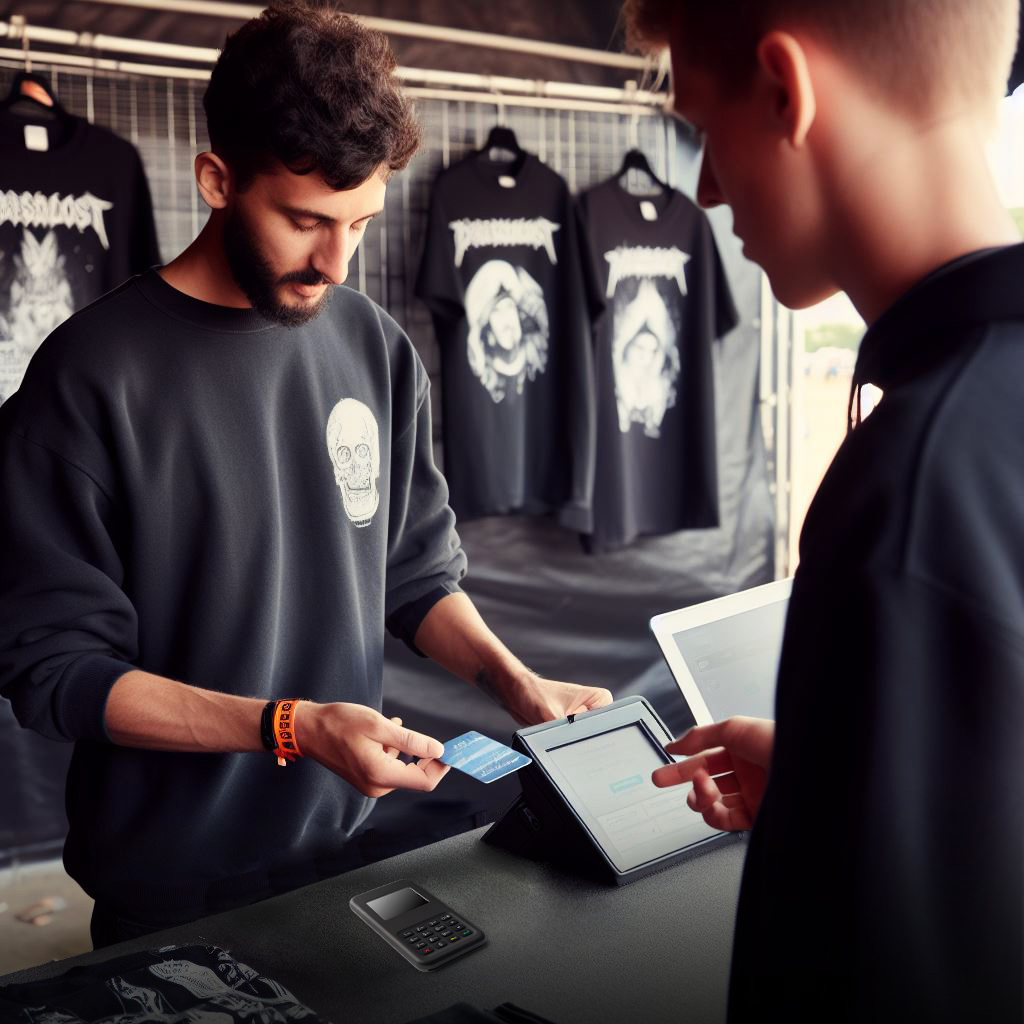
{"points": [[20, 103], [635, 160], [501, 137]]}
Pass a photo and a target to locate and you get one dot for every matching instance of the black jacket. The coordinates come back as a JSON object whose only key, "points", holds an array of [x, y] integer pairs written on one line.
{"points": [[884, 877]]}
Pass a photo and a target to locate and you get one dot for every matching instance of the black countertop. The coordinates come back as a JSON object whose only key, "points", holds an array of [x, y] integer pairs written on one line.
{"points": [[560, 946]]}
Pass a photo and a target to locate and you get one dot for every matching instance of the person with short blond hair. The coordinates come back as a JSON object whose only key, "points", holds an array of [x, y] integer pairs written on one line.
{"points": [[884, 875]]}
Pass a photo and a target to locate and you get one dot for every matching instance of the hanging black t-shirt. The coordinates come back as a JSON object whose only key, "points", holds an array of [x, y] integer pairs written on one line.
{"points": [[502, 273], [75, 221], [667, 301]]}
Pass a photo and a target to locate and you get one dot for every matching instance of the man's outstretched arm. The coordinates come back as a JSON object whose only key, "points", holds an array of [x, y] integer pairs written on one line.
{"points": [[353, 741], [454, 634]]}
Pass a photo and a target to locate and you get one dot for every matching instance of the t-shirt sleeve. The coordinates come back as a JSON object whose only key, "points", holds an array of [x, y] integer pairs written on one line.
{"points": [[68, 631], [425, 556], [437, 282], [580, 399], [593, 291]]}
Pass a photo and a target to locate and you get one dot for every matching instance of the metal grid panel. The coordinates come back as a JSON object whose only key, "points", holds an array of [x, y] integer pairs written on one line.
{"points": [[164, 118]]}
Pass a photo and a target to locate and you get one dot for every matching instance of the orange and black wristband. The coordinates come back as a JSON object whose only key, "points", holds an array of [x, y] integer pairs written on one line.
{"points": [[277, 729]]}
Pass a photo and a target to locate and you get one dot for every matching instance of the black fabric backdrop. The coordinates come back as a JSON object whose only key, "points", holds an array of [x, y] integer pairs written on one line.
{"points": [[567, 614]]}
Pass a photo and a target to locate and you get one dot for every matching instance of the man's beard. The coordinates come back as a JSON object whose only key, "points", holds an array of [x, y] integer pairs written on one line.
{"points": [[254, 275]]}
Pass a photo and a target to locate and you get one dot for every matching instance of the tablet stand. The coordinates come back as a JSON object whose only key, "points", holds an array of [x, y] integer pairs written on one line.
{"points": [[533, 827]]}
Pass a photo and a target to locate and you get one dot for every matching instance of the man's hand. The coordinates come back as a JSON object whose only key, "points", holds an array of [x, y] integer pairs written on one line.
{"points": [[362, 746], [532, 699], [729, 780]]}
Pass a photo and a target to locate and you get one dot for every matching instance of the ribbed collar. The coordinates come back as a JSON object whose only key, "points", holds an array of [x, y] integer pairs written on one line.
{"points": [[226, 319]]}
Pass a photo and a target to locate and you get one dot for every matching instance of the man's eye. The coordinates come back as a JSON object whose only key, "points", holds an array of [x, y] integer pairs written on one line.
{"points": [[360, 227], [306, 225]]}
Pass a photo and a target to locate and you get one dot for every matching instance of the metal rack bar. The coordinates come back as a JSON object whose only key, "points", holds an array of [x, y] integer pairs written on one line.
{"points": [[85, 65], [508, 88], [539, 102]]}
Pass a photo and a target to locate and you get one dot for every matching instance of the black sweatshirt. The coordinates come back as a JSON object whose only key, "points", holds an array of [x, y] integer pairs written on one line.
{"points": [[194, 491], [884, 876]]}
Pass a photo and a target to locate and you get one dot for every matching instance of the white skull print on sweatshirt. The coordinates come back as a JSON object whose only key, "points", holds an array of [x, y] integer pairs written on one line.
{"points": [[353, 442]]}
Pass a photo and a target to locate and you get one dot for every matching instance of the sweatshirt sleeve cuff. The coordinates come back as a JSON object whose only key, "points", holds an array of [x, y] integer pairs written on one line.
{"points": [[404, 622], [80, 703]]}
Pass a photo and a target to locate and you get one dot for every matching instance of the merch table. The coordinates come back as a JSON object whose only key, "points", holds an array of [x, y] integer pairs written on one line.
{"points": [[558, 945]]}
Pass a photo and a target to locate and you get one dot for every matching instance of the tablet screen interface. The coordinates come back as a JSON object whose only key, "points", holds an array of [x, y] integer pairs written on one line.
{"points": [[735, 661], [609, 776]]}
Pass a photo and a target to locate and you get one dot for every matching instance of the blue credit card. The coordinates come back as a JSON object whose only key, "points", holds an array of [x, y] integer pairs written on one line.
{"points": [[485, 759]]}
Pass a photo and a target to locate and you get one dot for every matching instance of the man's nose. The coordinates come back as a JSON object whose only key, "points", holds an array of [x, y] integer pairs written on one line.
{"points": [[332, 257], [708, 192]]}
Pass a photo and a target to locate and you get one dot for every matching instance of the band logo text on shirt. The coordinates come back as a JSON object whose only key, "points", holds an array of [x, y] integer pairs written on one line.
{"points": [[641, 261], [38, 210], [538, 233]]}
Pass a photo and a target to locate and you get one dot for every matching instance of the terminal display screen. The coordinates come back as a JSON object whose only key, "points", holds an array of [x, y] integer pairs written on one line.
{"points": [[395, 903], [609, 775]]}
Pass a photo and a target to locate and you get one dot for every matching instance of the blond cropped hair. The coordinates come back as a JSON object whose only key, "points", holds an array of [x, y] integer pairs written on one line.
{"points": [[921, 54]]}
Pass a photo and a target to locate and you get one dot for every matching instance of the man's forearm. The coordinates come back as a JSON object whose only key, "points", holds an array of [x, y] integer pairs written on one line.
{"points": [[455, 636], [149, 711]]}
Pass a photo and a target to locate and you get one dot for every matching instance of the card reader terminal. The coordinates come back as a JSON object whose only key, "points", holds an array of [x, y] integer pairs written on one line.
{"points": [[426, 931]]}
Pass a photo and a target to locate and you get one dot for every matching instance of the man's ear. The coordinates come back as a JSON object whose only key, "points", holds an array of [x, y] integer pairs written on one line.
{"points": [[783, 65], [214, 180]]}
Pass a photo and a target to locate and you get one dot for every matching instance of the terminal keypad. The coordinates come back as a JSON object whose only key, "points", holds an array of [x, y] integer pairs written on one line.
{"points": [[429, 937]]}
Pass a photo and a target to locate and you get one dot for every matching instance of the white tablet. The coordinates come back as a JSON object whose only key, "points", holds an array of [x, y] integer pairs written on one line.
{"points": [[724, 654]]}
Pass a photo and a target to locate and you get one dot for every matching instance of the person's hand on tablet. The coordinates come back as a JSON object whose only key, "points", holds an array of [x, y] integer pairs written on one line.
{"points": [[728, 766]]}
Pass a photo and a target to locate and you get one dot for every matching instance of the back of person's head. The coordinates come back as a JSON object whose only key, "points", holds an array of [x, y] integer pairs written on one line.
{"points": [[311, 88], [921, 55]]}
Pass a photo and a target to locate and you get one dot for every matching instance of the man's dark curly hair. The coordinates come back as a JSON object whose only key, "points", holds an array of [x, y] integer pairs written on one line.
{"points": [[310, 87]]}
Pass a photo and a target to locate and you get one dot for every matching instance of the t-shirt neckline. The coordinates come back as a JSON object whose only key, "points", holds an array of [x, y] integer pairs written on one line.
{"points": [[195, 311], [79, 129], [631, 204], [489, 171]]}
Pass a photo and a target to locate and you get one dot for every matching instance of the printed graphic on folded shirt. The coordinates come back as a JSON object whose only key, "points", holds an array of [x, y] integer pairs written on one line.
{"points": [[481, 757]]}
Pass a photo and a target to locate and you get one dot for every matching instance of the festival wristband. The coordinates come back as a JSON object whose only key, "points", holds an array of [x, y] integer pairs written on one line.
{"points": [[277, 729]]}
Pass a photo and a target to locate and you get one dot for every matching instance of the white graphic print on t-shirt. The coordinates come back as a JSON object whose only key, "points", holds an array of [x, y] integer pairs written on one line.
{"points": [[645, 333], [507, 343], [39, 294], [38, 210], [535, 233], [353, 443], [39, 299]]}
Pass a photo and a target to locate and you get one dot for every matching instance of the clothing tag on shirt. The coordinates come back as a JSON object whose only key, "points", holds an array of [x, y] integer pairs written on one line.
{"points": [[648, 210], [37, 138], [485, 759], [506, 181]]}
